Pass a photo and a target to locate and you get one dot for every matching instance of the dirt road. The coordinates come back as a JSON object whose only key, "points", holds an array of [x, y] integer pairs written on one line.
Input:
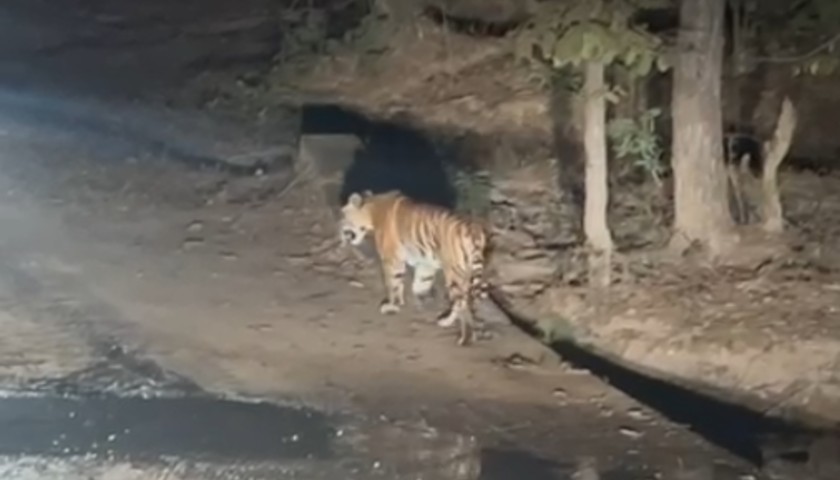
{"points": [[130, 271], [172, 278]]}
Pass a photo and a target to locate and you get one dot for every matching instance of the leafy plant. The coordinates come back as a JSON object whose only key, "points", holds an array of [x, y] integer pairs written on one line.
{"points": [[572, 33], [373, 33], [636, 139], [802, 34], [311, 30], [304, 31]]}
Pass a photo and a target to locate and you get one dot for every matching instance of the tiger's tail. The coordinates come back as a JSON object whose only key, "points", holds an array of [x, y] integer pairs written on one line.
{"points": [[475, 246]]}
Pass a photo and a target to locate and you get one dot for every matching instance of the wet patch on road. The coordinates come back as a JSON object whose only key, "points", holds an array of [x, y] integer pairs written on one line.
{"points": [[119, 373], [152, 427]]}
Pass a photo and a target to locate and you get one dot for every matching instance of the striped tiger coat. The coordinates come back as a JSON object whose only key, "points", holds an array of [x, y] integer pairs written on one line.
{"points": [[428, 239]]}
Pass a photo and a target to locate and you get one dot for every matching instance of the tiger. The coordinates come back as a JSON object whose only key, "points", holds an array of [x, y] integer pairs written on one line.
{"points": [[428, 238]]}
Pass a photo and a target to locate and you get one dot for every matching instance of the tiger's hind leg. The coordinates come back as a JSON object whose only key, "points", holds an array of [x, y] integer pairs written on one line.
{"points": [[393, 272], [460, 310], [422, 285], [478, 292]]}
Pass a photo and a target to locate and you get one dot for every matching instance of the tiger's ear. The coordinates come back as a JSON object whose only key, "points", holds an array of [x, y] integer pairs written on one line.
{"points": [[355, 200]]}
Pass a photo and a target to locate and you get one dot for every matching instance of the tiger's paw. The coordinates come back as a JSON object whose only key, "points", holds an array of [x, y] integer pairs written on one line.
{"points": [[388, 308], [446, 320], [465, 339]]}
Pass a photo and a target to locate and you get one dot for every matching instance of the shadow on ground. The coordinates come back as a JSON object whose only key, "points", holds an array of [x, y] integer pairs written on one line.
{"points": [[394, 156], [497, 464], [746, 433]]}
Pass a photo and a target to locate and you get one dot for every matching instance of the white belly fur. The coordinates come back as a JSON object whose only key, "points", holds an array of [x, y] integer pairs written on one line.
{"points": [[415, 258]]}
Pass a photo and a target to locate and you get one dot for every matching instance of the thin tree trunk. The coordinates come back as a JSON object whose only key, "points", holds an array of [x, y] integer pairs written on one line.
{"points": [[595, 224], [776, 85], [775, 151], [700, 191]]}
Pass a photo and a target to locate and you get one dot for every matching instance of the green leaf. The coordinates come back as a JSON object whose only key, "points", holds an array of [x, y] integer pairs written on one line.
{"points": [[582, 11], [569, 47], [589, 31], [589, 49], [630, 56], [662, 63]]}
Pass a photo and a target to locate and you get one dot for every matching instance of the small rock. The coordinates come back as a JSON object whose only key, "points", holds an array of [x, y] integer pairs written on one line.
{"points": [[515, 361], [586, 469], [606, 412], [637, 414], [195, 226], [630, 432], [560, 393], [531, 253], [356, 284], [191, 243], [229, 255]]}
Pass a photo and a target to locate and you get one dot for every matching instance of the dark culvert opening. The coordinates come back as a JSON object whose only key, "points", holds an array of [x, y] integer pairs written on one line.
{"points": [[472, 26], [394, 156]]}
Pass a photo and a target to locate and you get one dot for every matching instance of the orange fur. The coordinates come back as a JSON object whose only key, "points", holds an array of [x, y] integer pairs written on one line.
{"points": [[427, 238]]}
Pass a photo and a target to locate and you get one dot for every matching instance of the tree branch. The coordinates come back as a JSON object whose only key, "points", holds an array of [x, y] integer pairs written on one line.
{"points": [[805, 56]]}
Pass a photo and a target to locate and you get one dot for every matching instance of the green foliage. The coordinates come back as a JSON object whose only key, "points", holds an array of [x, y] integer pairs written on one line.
{"points": [[826, 64], [801, 21], [571, 33], [304, 32], [473, 188], [637, 140], [372, 34], [800, 34]]}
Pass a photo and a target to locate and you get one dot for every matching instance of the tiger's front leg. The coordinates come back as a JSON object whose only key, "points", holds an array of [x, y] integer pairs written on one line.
{"points": [[393, 271]]}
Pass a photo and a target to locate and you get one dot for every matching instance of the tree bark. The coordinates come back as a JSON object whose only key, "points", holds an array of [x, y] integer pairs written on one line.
{"points": [[595, 224], [775, 151], [700, 191]]}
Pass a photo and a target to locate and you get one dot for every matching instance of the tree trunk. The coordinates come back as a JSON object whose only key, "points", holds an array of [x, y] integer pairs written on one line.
{"points": [[595, 224], [776, 84], [775, 151], [700, 192]]}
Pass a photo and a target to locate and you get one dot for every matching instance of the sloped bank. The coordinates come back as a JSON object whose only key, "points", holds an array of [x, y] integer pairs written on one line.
{"points": [[769, 339], [748, 354]]}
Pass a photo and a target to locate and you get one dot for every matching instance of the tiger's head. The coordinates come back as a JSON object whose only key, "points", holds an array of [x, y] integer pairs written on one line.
{"points": [[356, 219]]}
